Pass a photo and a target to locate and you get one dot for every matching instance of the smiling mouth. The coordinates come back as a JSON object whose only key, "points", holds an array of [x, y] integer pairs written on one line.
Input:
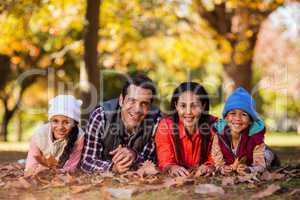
{"points": [[237, 125], [134, 117], [189, 119]]}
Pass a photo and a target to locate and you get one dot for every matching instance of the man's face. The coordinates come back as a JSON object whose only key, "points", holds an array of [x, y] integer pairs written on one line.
{"points": [[135, 106]]}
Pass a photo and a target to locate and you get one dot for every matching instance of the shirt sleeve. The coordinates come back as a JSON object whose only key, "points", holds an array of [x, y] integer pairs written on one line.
{"points": [[92, 151], [31, 162], [164, 145], [216, 153], [259, 163], [74, 157], [148, 153]]}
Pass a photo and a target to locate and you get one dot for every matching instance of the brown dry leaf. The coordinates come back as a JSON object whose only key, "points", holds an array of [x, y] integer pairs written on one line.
{"points": [[35, 171], [10, 170], [122, 193], [252, 185], [294, 191], [21, 183], [292, 173], [1, 183], [107, 174], [147, 168], [55, 182], [29, 196], [104, 194], [227, 181], [68, 179], [266, 176], [209, 189], [97, 182], [24, 183], [250, 178], [267, 192], [18, 166], [152, 180], [49, 162], [238, 162], [177, 181], [8, 167], [80, 188], [122, 179], [41, 180], [280, 169]]}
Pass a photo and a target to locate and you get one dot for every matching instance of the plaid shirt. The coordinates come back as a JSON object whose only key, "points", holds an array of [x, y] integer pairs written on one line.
{"points": [[93, 145]]}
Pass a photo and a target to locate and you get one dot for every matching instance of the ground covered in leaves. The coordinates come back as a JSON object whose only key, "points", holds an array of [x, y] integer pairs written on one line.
{"points": [[146, 183]]}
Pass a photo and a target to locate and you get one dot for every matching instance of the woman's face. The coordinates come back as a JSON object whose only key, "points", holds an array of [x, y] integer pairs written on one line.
{"points": [[238, 120], [189, 109], [61, 126]]}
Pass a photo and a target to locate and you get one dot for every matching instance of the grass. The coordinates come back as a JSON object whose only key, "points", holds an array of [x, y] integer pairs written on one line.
{"points": [[283, 139], [14, 146]]}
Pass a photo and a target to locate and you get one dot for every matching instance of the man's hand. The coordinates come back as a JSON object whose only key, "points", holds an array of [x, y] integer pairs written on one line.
{"points": [[123, 158]]}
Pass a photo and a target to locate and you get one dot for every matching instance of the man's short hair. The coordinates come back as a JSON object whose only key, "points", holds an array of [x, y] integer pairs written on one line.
{"points": [[142, 81]]}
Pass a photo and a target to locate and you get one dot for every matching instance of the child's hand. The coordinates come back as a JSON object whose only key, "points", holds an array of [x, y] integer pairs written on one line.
{"points": [[176, 170], [204, 169], [227, 169], [243, 169]]}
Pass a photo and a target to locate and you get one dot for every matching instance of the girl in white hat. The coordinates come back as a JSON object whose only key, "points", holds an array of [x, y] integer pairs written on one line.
{"points": [[61, 138]]}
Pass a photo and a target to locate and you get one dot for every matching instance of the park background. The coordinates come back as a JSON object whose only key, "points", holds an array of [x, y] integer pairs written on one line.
{"points": [[86, 48]]}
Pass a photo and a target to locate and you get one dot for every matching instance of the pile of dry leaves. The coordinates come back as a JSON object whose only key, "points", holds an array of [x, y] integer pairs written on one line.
{"points": [[145, 179]]}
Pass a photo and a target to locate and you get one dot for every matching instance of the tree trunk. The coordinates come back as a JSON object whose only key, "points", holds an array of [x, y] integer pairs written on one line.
{"points": [[239, 28], [19, 129], [90, 73], [238, 75], [4, 125]]}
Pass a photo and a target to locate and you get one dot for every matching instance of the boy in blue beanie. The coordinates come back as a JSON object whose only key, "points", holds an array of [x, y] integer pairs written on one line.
{"points": [[238, 139]]}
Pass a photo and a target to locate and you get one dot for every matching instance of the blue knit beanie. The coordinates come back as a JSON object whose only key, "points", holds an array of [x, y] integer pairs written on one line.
{"points": [[241, 99]]}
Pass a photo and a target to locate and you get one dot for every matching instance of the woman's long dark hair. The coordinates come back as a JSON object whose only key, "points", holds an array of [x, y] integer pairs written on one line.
{"points": [[70, 145], [203, 123]]}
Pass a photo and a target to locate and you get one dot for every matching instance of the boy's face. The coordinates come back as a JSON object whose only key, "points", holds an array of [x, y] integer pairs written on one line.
{"points": [[238, 120], [135, 106]]}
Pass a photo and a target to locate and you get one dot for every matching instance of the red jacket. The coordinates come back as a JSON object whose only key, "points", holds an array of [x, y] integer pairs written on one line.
{"points": [[165, 146]]}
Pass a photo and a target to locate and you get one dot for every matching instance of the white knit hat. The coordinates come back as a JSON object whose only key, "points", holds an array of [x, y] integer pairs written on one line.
{"points": [[66, 105]]}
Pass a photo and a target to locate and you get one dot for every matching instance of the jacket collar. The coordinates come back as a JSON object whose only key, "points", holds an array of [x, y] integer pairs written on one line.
{"points": [[256, 127], [183, 131]]}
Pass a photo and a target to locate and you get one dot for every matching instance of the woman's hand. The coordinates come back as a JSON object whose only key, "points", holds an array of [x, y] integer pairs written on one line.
{"points": [[176, 170], [243, 169]]}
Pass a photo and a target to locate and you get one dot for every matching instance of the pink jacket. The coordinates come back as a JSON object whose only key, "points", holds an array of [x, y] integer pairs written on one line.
{"points": [[42, 143]]}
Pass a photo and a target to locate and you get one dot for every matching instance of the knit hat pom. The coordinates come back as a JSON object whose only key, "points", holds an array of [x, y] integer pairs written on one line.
{"points": [[66, 105], [241, 99]]}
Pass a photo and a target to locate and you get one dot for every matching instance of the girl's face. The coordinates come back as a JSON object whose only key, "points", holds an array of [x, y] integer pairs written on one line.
{"points": [[238, 120], [61, 126], [189, 109]]}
